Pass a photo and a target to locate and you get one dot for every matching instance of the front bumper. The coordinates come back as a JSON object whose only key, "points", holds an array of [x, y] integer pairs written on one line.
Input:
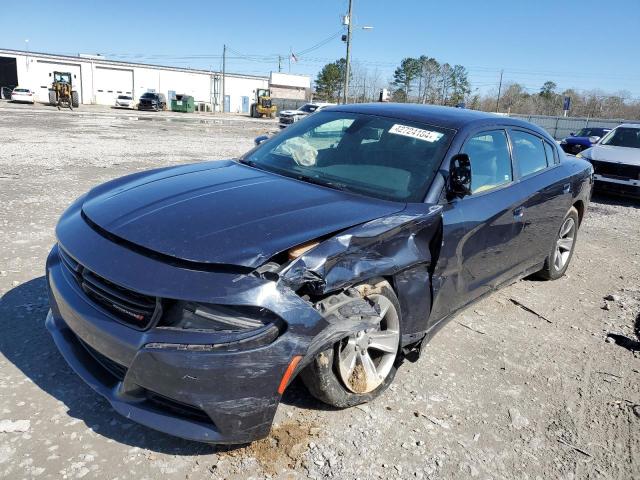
{"points": [[618, 186], [181, 383]]}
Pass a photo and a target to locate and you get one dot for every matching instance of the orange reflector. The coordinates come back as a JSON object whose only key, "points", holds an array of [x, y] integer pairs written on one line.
{"points": [[287, 375]]}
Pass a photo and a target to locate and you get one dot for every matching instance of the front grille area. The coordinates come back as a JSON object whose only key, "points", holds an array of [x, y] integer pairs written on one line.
{"points": [[114, 368], [134, 309], [616, 170]]}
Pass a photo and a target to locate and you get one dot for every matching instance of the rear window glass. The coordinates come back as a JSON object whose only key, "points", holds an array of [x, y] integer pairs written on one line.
{"points": [[20, 90]]}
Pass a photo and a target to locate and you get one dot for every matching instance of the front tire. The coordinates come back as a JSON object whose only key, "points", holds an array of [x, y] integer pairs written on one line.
{"points": [[360, 367], [561, 253], [75, 99]]}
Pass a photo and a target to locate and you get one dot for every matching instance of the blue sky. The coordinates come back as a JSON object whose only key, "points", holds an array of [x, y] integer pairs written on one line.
{"points": [[584, 44]]}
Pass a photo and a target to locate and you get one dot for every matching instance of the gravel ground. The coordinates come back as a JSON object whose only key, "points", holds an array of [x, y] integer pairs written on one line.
{"points": [[501, 392]]}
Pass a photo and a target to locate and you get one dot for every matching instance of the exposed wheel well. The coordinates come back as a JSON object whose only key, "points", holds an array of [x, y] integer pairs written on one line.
{"points": [[579, 205]]}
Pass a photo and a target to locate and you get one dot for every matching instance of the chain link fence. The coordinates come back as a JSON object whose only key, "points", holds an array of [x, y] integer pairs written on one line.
{"points": [[560, 127]]}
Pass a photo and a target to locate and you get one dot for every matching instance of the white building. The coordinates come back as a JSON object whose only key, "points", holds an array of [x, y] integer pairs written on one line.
{"points": [[100, 81]]}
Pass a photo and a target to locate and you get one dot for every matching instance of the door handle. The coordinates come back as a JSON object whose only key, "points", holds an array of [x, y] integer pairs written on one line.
{"points": [[566, 188], [518, 213]]}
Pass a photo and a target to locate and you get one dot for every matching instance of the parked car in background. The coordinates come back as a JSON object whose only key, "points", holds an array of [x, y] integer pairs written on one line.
{"points": [[191, 296], [152, 101], [583, 139], [616, 160], [287, 117], [125, 101], [20, 94]]}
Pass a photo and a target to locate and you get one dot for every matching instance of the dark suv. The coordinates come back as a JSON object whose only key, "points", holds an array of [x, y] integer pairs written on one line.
{"points": [[152, 101]]}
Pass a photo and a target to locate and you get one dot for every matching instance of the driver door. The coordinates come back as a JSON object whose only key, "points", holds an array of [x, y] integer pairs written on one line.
{"points": [[480, 231]]}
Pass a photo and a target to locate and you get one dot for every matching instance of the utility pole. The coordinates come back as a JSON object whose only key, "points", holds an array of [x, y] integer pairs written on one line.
{"points": [[224, 67], [499, 90], [279, 63], [346, 67]]}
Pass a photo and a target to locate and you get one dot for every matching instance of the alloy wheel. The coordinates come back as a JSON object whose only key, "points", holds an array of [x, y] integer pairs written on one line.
{"points": [[564, 243], [366, 357]]}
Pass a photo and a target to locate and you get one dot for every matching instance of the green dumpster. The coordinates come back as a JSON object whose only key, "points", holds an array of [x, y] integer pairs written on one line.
{"points": [[182, 103]]}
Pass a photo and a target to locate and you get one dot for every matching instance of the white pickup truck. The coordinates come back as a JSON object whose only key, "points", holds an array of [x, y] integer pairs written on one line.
{"points": [[287, 117]]}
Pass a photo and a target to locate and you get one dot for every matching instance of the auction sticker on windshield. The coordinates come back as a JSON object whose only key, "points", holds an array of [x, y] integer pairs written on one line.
{"points": [[413, 132]]}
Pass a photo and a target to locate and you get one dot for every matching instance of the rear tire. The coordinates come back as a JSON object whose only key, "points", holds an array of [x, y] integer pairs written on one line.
{"points": [[338, 376], [564, 244], [75, 99], [52, 98]]}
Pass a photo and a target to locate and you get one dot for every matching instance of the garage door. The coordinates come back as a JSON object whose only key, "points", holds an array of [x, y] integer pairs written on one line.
{"points": [[108, 83], [44, 77]]}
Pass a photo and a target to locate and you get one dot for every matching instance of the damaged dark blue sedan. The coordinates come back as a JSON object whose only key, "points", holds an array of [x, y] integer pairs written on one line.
{"points": [[190, 297]]}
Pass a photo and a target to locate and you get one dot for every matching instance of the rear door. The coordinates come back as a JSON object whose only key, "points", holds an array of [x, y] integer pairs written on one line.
{"points": [[547, 194], [479, 248]]}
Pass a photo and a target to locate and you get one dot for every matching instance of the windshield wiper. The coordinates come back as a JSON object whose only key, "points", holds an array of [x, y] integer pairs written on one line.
{"points": [[336, 186]]}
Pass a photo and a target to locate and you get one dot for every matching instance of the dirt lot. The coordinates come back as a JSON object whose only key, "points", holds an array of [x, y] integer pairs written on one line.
{"points": [[500, 392]]}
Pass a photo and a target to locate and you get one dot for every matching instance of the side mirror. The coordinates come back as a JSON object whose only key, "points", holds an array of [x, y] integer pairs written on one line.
{"points": [[594, 139], [572, 134], [459, 184], [260, 139]]}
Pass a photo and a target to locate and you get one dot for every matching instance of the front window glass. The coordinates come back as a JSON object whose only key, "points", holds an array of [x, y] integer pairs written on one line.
{"points": [[529, 152], [590, 132], [490, 160], [623, 137], [308, 108], [376, 156]]}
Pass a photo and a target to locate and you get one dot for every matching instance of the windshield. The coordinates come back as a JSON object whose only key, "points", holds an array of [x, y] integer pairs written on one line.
{"points": [[308, 108], [623, 137], [376, 156], [148, 95], [590, 132], [123, 97]]}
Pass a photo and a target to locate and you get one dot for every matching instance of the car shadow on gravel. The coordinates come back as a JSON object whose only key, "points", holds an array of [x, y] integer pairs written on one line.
{"points": [[25, 342]]}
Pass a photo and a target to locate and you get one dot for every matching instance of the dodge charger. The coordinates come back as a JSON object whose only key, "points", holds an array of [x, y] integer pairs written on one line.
{"points": [[190, 297]]}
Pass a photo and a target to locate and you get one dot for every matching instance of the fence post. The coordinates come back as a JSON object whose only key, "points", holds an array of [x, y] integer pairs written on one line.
{"points": [[555, 130]]}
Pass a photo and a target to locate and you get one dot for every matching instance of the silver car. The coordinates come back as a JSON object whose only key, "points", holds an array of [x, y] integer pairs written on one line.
{"points": [[616, 160], [288, 117], [125, 101]]}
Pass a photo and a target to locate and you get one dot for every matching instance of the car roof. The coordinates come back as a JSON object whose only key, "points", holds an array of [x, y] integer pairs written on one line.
{"points": [[629, 125], [447, 117]]}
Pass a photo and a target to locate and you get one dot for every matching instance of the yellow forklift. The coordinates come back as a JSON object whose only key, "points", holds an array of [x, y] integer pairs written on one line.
{"points": [[263, 106], [61, 93]]}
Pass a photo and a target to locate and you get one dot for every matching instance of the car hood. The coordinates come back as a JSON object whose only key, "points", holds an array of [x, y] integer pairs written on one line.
{"points": [[292, 112], [223, 212], [610, 153]]}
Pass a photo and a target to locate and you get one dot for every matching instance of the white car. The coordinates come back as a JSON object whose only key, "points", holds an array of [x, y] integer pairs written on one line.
{"points": [[287, 117], [616, 160], [23, 95], [125, 101]]}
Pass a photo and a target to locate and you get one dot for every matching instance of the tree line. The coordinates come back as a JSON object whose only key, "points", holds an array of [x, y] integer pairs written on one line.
{"points": [[426, 80]]}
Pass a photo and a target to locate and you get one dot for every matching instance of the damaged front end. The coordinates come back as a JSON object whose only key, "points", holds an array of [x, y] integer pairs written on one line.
{"points": [[212, 365]]}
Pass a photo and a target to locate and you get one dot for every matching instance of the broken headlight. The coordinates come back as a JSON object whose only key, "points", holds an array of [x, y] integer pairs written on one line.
{"points": [[221, 318]]}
